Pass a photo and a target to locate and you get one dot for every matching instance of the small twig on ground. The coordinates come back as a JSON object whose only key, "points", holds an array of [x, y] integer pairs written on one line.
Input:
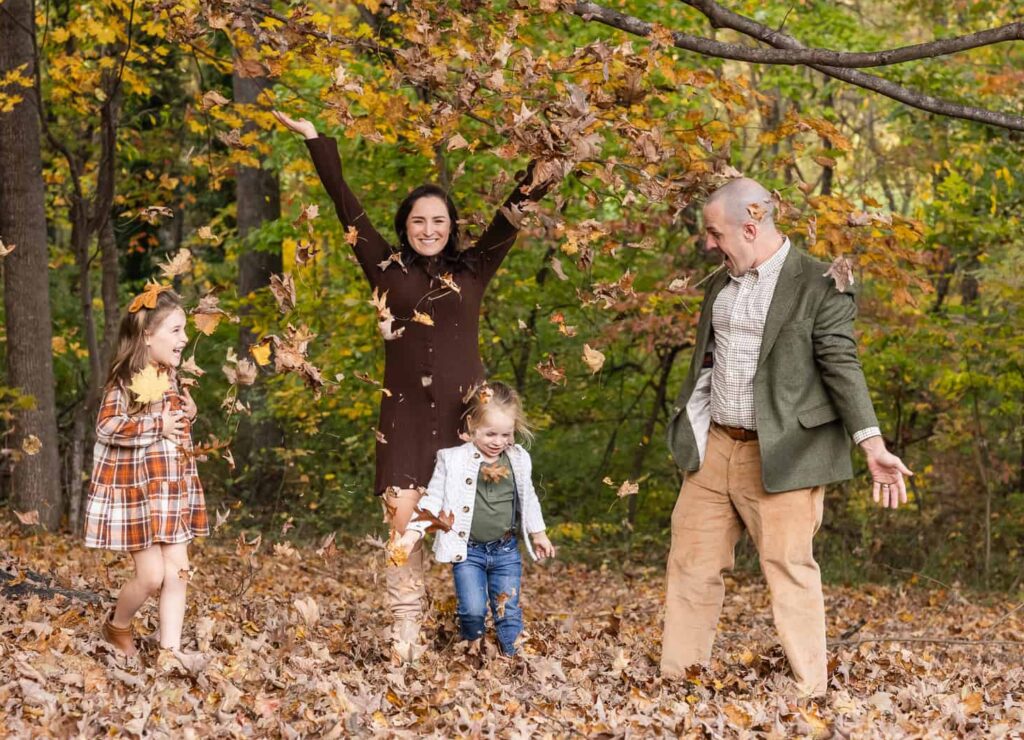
{"points": [[933, 640], [1003, 618]]}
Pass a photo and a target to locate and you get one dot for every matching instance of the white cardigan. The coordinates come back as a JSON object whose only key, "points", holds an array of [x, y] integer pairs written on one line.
{"points": [[453, 489]]}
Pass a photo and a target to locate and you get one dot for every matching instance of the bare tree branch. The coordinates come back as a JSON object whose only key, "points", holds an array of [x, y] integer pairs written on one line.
{"points": [[788, 50]]}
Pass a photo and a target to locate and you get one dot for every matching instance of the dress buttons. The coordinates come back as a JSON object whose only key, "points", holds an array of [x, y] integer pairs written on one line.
{"points": [[465, 509], [433, 405], [434, 432], [469, 481]]}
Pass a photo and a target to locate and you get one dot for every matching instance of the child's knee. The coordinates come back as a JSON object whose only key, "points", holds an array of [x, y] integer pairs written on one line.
{"points": [[152, 581]]}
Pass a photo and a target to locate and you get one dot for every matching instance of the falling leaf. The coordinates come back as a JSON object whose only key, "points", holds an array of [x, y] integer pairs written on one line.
{"points": [[494, 472], [149, 385], [206, 234], [380, 436], [628, 488], [245, 548], [5, 249], [189, 366], [178, 265], [283, 288], [841, 272], [457, 142], [449, 282], [679, 285], [757, 211], [593, 358], [305, 252], [394, 552], [442, 522], [352, 235], [327, 549], [422, 318], [812, 230], [550, 371], [31, 444], [221, 518], [556, 267], [207, 322], [28, 518], [186, 574], [501, 601], [261, 352], [212, 99], [394, 259]]}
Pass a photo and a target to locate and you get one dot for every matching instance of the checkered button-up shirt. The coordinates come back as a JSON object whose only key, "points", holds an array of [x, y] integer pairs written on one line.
{"points": [[738, 317]]}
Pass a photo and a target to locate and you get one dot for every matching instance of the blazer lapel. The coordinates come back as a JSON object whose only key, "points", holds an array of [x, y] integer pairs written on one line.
{"points": [[704, 324], [782, 302]]}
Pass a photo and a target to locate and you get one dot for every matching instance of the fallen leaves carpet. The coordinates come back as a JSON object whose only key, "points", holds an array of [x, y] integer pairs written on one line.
{"points": [[293, 645]]}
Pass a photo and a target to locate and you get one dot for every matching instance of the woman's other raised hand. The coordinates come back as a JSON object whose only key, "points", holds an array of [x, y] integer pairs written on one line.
{"points": [[299, 126]]}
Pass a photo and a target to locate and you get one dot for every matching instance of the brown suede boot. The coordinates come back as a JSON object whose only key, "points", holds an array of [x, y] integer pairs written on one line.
{"points": [[119, 637]]}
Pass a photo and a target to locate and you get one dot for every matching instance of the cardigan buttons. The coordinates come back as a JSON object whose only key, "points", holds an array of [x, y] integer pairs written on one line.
{"points": [[465, 509], [462, 535], [469, 481], [476, 455], [457, 558]]}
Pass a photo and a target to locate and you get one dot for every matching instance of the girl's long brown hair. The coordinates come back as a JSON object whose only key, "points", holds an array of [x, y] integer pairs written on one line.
{"points": [[132, 354]]}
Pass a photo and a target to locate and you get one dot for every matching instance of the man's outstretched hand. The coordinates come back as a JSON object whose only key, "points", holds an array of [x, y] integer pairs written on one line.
{"points": [[887, 471]]}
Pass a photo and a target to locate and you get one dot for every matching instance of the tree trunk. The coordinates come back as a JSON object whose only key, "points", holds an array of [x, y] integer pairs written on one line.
{"points": [[36, 478], [258, 200]]}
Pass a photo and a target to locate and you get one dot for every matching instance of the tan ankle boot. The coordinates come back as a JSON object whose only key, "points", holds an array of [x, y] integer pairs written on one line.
{"points": [[120, 637]]}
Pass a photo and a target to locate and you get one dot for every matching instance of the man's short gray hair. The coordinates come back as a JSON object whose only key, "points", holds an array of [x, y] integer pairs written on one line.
{"points": [[744, 200]]}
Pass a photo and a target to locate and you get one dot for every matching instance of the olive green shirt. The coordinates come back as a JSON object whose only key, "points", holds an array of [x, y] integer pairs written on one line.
{"points": [[495, 499]]}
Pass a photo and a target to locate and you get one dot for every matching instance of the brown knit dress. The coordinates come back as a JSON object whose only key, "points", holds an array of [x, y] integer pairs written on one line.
{"points": [[428, 369]]}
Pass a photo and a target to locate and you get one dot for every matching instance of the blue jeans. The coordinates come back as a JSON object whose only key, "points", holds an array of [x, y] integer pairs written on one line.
{"points": [[491, 573]]}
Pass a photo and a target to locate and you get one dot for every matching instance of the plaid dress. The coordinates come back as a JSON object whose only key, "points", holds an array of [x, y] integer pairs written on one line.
{"points": [[144, 489]]}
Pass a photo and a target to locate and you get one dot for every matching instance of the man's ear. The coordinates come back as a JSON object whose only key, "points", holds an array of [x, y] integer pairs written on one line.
{"points": [[750, 231]]}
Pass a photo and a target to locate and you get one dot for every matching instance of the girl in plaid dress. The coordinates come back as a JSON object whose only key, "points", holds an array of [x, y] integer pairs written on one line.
{"points": [[145, 497]]}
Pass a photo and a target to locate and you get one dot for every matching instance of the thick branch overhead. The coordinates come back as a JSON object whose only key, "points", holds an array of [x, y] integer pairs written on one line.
{"points": [[839, 65]]}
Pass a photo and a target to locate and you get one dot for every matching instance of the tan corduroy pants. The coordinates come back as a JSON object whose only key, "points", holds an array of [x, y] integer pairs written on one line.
{"points": [[714, 505], [405, 584]]}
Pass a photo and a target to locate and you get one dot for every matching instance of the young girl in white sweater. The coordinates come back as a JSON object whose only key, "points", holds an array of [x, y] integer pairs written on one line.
{"points": [[484, 487]]}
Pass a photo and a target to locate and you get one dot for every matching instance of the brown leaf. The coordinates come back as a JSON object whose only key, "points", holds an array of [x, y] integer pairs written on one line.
{"points": [[442, 522], [593, 358], [212, 99], [550, 371], [352, 235], [28, 518], [31, 445], [5, 249], [422, 318], [556, 266], [841, 272], [147, 298], [494, 472], [628, 488], [283, 288]]}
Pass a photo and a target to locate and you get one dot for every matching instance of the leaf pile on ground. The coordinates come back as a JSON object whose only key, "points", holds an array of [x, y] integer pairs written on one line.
{"points": [[283, 642]]}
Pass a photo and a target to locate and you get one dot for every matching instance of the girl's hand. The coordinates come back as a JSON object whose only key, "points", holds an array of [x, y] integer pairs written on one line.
{"points": [[173, 426], [188, 406], [542, 545], [299, 126]]}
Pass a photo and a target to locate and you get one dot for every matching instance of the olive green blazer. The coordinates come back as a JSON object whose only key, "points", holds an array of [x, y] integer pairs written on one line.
{"points": [[810, 394]]}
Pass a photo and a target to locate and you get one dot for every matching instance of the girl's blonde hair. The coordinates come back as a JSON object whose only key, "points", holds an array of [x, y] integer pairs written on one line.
{"points": [[500, 396], [132, 354]]}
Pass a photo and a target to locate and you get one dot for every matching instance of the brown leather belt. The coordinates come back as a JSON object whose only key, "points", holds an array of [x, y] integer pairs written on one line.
{"points": [[738, 433]]}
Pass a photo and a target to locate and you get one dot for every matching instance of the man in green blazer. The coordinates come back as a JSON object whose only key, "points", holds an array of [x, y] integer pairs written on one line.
{"points": [[762, 424]]}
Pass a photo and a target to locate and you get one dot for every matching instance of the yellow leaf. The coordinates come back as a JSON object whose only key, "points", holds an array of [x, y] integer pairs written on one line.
{"points": [[261, 353], [149, 385], [422, 318], [207, 322]]}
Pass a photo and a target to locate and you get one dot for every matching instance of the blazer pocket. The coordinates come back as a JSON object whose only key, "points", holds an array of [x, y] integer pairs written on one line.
{"points": [[815, 417]]}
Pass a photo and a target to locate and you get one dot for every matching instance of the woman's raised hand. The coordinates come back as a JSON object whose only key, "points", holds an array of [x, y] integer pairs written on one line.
{"points": [[299, 126]]}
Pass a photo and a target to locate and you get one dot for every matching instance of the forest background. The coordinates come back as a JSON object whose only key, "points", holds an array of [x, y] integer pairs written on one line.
{"points": [[155, 159]]}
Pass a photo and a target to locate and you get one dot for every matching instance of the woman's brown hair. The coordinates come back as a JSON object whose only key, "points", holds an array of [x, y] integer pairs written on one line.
{"points": [[132, 354], [500, 396]]}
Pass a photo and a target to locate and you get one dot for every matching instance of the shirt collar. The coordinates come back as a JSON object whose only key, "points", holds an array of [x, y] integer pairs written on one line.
{"points": [[772, 266]]}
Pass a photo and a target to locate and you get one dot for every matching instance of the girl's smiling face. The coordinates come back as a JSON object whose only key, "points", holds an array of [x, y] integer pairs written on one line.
{"points": [[495, 433], [428, 226], [168, 340]]}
